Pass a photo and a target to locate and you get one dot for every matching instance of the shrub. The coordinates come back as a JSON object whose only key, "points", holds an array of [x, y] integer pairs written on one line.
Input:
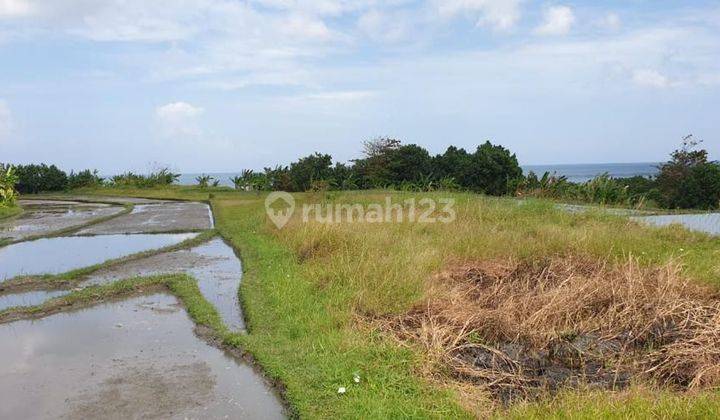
{"points": [[203, 180], [689, 180], [8, 179], [86, 178], [37, 178], [160, 177]]}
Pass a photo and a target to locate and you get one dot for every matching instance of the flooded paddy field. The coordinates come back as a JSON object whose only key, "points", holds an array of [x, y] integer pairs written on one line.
{"points": [[58, 255], [214, 265], [156, 217], [44, 217], [707, 223], [137, 358], [142, 357]]}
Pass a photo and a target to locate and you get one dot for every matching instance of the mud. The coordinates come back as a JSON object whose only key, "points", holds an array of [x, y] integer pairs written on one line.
{"points": [[214, 265], [706, 223], [45, 217], [133, 359], [157, 217], [58, 255]]}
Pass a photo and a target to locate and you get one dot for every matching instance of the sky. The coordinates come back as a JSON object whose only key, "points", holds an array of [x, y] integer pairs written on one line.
{"points": [[224, 85]]}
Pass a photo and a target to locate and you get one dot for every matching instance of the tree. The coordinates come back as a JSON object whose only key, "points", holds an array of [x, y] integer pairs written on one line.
{"points": [[491, 169], [410, 163], [316, 167], [689, 180], [37, 178], [373, 168]]}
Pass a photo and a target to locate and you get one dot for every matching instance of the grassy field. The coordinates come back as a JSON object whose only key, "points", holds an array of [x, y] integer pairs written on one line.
{"points": [[9, 211], [318, 297]]}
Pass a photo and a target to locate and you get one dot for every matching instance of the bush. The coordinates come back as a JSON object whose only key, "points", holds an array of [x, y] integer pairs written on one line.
{"points": [[8, 179], [689, 180], [86, 178], [160, 177], [33, 179]]}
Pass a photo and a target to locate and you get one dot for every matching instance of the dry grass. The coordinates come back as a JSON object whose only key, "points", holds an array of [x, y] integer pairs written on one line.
{"points": [[518, 330]]}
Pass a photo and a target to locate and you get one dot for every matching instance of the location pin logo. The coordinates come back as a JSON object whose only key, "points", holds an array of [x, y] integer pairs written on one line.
{"points": [[281, 213]]}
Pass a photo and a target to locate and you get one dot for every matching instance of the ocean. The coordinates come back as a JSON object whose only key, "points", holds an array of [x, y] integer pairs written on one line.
{"points": [[586, 172], [573, 172]]}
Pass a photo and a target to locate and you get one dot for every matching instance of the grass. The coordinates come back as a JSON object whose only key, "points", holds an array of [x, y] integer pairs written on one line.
{"points": [[311, 292], [9, 211]]}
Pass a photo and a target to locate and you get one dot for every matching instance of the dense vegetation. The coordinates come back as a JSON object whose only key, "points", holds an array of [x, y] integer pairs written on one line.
{"points": [[8, 179], [35, 178], [387, 163], [688, 180]]}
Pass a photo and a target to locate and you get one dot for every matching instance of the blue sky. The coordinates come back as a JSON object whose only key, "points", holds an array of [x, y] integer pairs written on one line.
{"points": [[220, 85]]}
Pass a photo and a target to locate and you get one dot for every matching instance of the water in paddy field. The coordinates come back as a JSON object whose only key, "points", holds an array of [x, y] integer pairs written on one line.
{"points": [[28, 298], [58, 255], [137, 358], [213, 264], [706, 223], [586, 172]]}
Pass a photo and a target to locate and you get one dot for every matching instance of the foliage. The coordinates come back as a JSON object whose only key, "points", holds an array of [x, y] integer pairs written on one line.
{"points": [[203, 181], [86, 178], [307, 170], [491, 169], [37, 178], [244, 181], [8, 179], [689, 180], [161, 177]]}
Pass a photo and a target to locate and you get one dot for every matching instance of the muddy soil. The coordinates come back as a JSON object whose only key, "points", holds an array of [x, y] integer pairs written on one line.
{"points": [[214, 265], [58, 255], [133, 359], [44, 217], [158, 217]]}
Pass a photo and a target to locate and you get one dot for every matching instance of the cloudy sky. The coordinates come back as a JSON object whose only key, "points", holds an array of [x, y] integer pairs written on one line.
{"points": [[220, 85]]}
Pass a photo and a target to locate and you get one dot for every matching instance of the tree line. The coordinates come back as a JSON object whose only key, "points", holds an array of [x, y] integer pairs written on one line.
{"points": [[687, 180]]}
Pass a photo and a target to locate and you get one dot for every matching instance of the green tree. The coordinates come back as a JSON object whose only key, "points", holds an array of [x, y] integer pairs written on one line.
{"points": [[316, 167], [37, 178], [689, 180]]}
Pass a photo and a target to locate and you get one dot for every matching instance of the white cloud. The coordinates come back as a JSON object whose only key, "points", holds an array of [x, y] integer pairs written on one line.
{"points": [[14, 8], [5, 119], [381, 26], [305, 27], [557, 20], [610, 22], [650, 78], [498, 14], [341, 96], [179, 119]]}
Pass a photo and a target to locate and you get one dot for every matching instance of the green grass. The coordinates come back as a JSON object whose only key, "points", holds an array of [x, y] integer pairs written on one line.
{"points": [[11, 211], [308, 289]]}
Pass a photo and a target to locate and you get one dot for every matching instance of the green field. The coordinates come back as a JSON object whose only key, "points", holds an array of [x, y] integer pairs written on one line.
{"points": [[316, 295]]}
